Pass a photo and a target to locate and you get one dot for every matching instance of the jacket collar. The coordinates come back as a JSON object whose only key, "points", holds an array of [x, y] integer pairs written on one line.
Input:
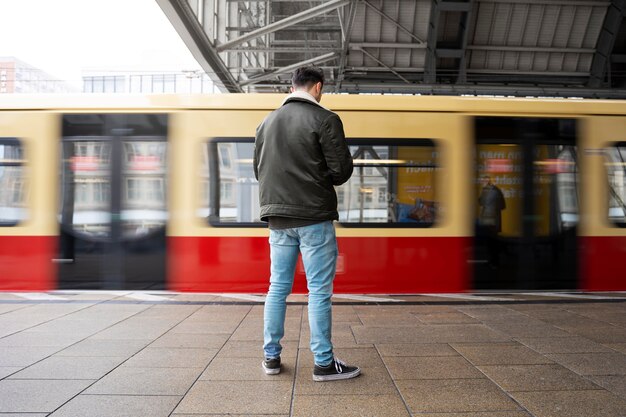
{"points": [[302, 95]]}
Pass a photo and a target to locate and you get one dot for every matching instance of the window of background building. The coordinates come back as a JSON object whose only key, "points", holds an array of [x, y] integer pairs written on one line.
{"points": [[13, 183]]}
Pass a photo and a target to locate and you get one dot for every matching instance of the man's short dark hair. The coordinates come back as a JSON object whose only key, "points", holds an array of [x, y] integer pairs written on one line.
{"points": [[307, 76]]}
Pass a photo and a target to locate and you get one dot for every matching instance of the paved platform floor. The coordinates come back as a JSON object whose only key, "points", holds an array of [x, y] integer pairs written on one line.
{"points": [[92, 354]]}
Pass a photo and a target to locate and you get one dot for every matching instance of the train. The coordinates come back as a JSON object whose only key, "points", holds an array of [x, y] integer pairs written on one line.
{"points": [[448, 194]]}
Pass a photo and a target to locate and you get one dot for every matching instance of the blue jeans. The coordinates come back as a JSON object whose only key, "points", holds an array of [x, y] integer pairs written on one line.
{"points": [[318, 246]]}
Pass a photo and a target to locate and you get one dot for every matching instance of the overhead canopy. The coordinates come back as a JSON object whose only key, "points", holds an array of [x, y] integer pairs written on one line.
{"points": [[495, 47]]}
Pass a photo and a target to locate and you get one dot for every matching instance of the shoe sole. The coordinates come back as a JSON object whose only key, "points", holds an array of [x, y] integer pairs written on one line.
{"points": [[337, 377], [270, 371]]}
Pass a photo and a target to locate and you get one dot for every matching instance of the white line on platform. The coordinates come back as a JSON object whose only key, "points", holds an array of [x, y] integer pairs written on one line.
{"points": [[466, 297], [365, 298], [37, 296], [247, 297], [145, 297], [568, 295], [79, 292]]}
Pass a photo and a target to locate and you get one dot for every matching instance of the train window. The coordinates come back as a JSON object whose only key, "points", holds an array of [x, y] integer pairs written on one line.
{"points": [[13, 182], [393, 184], [230, 193], [615, 163]]}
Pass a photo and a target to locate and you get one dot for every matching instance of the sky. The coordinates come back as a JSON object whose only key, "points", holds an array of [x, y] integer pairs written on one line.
{"points": [[64, 37]]}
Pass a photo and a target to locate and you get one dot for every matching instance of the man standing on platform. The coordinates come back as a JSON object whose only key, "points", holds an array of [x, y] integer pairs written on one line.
{"points": [[300, 155]]}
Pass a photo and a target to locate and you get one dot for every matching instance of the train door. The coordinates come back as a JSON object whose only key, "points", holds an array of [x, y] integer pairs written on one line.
{"points": [[526, 203], [113, 203]]}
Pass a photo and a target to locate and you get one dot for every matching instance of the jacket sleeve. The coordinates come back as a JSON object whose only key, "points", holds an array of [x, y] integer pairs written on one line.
{"points": [[336, 150]]}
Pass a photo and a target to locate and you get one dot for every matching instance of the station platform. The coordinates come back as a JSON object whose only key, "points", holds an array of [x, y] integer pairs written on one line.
{"points": [[96, 354]]}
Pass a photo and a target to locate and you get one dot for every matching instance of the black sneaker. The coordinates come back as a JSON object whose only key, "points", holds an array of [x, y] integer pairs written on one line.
{"points": [[335, 371], [271, 366]]}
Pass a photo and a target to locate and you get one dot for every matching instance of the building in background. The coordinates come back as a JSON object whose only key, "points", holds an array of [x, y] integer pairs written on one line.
{"points": [[147, 82], [16, 76]]}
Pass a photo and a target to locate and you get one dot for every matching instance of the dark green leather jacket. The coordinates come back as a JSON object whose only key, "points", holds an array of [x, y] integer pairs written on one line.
{"points": [[300, 153]]}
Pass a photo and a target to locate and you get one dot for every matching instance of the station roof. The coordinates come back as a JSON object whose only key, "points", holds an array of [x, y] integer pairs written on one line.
{"points": [[555, 48]]}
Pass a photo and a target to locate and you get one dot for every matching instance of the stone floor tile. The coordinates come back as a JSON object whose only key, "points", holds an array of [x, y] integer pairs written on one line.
{"points": [[444, 333], [117, 406], [8, 370], [614, 383], [146, 381], [23, 415], [592, 363], [205, 327], [399, 319], [526, 329], [180, 340], [36, 396], [499, 353], [480, 414], [67, 367], [415, 349], [245, 369], [620, 347], [244, 397], [40, 339], [349, 406], [446, 318], [254, 349], [94, 348], [372, 381], [536, 378], [172, 358], [431, 368], [601, 334], [134, 331], [361, 356], [6, 308], [563, 345], [454, 396], [596, 403], [487, 312], [222, 415], [25, 355]]}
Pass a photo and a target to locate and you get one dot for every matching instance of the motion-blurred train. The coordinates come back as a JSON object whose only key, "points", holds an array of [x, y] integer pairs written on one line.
{"points": [[159, 193]]}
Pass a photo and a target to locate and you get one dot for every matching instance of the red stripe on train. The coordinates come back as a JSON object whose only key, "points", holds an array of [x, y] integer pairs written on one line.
{"points": [[391, 265], [601, 264], [26, 263]]}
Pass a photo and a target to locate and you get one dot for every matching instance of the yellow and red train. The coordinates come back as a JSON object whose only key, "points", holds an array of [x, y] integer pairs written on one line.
{"points": [[103, 192]]}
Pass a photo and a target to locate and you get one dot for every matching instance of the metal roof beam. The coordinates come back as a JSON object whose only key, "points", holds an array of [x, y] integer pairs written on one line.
{"points": [[581, 3], [286, 50], [357, 45], [283, 23], [455, 6], [289, 68], [384, 65], [387, 17], [299, 28], [455, 89], [349, 24], [192, 33], [618, 58], [606, 42], [464, 36], [530, 49], [430, 63]]}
